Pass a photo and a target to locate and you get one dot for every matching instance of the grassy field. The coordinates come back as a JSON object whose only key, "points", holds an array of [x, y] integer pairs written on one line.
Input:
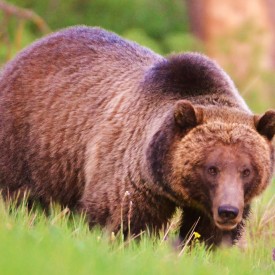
{"points": [[31, 243]]}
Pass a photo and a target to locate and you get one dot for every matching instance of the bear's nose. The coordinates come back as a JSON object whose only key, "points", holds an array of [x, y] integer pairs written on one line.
{"points": [[228, 212]]}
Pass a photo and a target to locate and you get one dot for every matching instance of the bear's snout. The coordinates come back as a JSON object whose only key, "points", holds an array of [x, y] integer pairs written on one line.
{"points": [[227, 217], [228, 212], [228, 204]]}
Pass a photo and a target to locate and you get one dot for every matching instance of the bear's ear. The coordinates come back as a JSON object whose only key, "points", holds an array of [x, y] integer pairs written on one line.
{"points": [[186, 115], [265, 124]]}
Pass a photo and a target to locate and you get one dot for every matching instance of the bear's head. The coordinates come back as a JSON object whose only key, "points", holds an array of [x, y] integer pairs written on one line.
{"points": [[219, 159]]}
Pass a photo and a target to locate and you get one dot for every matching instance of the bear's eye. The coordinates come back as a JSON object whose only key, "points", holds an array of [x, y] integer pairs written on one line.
{"points": [[213, 171], [245, 173]]}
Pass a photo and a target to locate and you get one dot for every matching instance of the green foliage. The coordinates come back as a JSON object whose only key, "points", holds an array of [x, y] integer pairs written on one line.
{"points": [[182, 42], [156, 17], [140, 36]]}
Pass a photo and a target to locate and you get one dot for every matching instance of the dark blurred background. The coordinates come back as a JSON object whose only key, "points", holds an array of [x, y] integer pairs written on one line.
{"points": [[239, 35]]}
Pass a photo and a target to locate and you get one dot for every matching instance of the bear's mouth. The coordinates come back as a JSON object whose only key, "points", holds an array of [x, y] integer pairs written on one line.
{"points": [[226, 225]]}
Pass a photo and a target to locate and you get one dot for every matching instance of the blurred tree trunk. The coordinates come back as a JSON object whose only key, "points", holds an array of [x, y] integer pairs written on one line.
{"points": [[241, 36], [196, 12]]}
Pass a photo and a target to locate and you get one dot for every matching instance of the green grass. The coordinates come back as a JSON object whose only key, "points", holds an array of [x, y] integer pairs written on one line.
{"points": [[61, 243]]}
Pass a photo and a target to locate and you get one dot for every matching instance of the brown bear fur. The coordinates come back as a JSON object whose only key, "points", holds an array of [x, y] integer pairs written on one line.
{"points": [[101, 124]]}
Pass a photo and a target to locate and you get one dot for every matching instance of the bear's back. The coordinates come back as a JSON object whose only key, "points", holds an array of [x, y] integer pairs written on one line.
{"points": [[85, 54], [80, 46]]}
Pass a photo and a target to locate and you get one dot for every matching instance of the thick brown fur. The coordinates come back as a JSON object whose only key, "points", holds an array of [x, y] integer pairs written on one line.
{"points": [[101, 124]]}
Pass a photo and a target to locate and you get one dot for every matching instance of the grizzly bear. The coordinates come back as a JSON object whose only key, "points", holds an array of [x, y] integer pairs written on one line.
{"points": [[102, 125]]}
